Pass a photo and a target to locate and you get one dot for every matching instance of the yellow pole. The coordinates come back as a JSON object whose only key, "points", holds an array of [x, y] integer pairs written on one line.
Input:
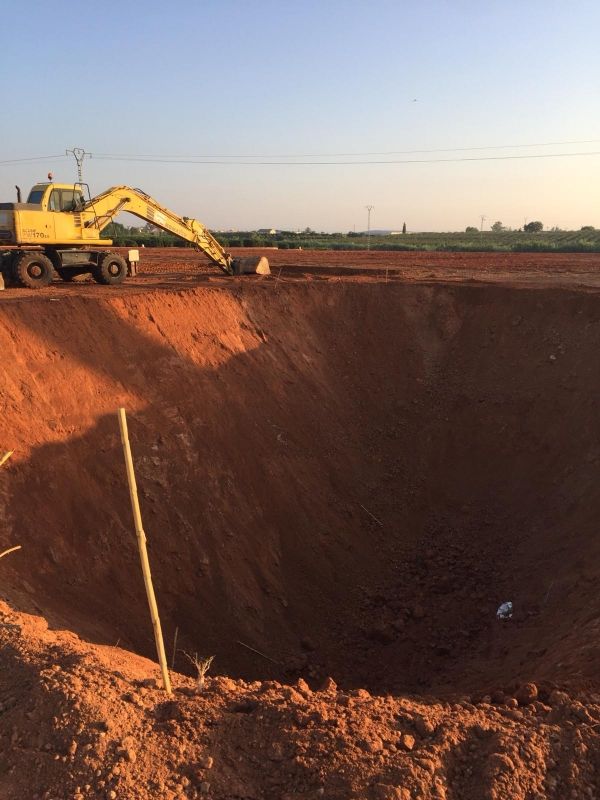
{"points": [[141, 537]]}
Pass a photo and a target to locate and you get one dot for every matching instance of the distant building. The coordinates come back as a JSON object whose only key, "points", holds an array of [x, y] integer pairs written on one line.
{"points": [[267, 231]]}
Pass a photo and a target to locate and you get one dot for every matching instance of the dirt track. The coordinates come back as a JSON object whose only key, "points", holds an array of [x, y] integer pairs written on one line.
{"points": [[348, 472]]}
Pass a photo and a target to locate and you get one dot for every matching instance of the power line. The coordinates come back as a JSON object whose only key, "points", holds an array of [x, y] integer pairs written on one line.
{"points": [[30, 159], [349, 155], [369, 209], [147, 160], [229, 160]]}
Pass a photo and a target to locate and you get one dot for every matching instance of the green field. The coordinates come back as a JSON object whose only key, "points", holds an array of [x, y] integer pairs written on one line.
{"points": [[581, 241]]}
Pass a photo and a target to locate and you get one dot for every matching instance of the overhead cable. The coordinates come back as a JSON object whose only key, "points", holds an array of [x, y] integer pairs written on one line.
{"points": [[346, 163], [30, 159], [346, 155]]}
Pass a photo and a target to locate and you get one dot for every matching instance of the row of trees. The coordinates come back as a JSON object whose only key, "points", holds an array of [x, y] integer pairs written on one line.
{"points": [[498, 227], [530, 227], [150, 236]]}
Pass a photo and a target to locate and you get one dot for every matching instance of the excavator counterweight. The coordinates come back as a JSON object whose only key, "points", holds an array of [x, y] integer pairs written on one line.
{"points": [[57, 229]]}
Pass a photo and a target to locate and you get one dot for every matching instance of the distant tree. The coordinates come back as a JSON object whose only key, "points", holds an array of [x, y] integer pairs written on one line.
{"points": [[533, 227], [404, 227], [114, 229], [471, 229], [497, 227], [588, 228]]}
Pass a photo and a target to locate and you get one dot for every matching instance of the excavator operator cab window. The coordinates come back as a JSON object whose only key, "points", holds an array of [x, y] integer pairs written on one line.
{"points": [[35, 196], [54, 202], [65, 200]]}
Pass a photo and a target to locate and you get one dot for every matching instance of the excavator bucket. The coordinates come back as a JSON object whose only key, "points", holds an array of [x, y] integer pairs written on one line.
{"points": [[247, 266]]}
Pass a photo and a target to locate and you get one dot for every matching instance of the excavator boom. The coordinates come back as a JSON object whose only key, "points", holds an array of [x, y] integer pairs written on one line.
{"points": [[123, 198]]}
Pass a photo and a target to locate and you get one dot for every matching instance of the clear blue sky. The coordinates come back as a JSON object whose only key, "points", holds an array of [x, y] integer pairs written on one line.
{"points": [[265, 78]]}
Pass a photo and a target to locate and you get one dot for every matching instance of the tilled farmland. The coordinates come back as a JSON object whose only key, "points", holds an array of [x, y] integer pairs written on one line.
{"points": [[347, 470]]}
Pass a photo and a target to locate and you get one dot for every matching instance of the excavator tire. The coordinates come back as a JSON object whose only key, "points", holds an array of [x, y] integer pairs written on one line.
{"points": [[110, 270], [248, 266], [33, 270]]}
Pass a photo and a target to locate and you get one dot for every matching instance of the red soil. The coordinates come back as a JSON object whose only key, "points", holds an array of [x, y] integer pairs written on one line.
{"points": [[173, 267], [346, 474]]}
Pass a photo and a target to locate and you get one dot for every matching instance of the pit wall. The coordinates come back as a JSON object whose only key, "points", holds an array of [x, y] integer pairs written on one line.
{"points": [[295, 447]]}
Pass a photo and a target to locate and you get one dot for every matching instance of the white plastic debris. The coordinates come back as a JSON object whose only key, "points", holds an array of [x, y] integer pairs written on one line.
{"points": [[505, 611]]}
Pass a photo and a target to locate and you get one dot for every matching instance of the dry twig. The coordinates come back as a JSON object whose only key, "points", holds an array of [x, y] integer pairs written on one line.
{"points": [[378, 521], [258, 653], [174, 648], [10, 550], [202, 666]]}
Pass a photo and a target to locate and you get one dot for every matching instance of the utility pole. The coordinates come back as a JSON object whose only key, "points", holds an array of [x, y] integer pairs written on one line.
{"points": [[369, 209], [483, 219], [79, 154]]}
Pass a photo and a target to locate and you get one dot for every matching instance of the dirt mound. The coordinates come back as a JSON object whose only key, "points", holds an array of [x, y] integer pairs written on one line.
{"points": [[337, 479], [82, 722]]}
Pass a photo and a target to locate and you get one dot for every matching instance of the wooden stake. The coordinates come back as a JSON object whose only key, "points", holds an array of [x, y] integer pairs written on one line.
{"points": [[4, 458], [141, 538]]}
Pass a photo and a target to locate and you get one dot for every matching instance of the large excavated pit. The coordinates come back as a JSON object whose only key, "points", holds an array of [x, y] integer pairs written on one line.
{"points": [[340, 479]]}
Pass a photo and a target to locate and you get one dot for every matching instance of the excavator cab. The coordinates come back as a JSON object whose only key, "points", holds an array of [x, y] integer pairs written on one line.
{"points": [[57, 197]]}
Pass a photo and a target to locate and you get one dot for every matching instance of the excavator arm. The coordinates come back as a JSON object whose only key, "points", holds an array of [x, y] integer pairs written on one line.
{"points": [[102, 209]]}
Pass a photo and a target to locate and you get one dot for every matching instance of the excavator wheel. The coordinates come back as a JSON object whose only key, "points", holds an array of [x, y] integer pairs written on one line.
{"points": [[33, 270], [249, 266], [110, 270]]}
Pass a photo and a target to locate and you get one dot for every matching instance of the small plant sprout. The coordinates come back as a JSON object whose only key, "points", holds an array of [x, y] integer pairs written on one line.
{"points": [[202, 666]]}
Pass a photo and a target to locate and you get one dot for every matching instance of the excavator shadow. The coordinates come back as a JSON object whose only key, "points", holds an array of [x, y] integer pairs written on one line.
{"points": [[231, 482]]}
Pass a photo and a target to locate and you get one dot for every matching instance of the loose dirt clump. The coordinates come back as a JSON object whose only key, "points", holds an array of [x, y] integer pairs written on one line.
{"points": [[342, 479]]}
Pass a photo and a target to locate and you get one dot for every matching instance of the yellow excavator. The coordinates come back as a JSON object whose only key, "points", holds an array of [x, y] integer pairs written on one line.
{"points": [[58, 229]]}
